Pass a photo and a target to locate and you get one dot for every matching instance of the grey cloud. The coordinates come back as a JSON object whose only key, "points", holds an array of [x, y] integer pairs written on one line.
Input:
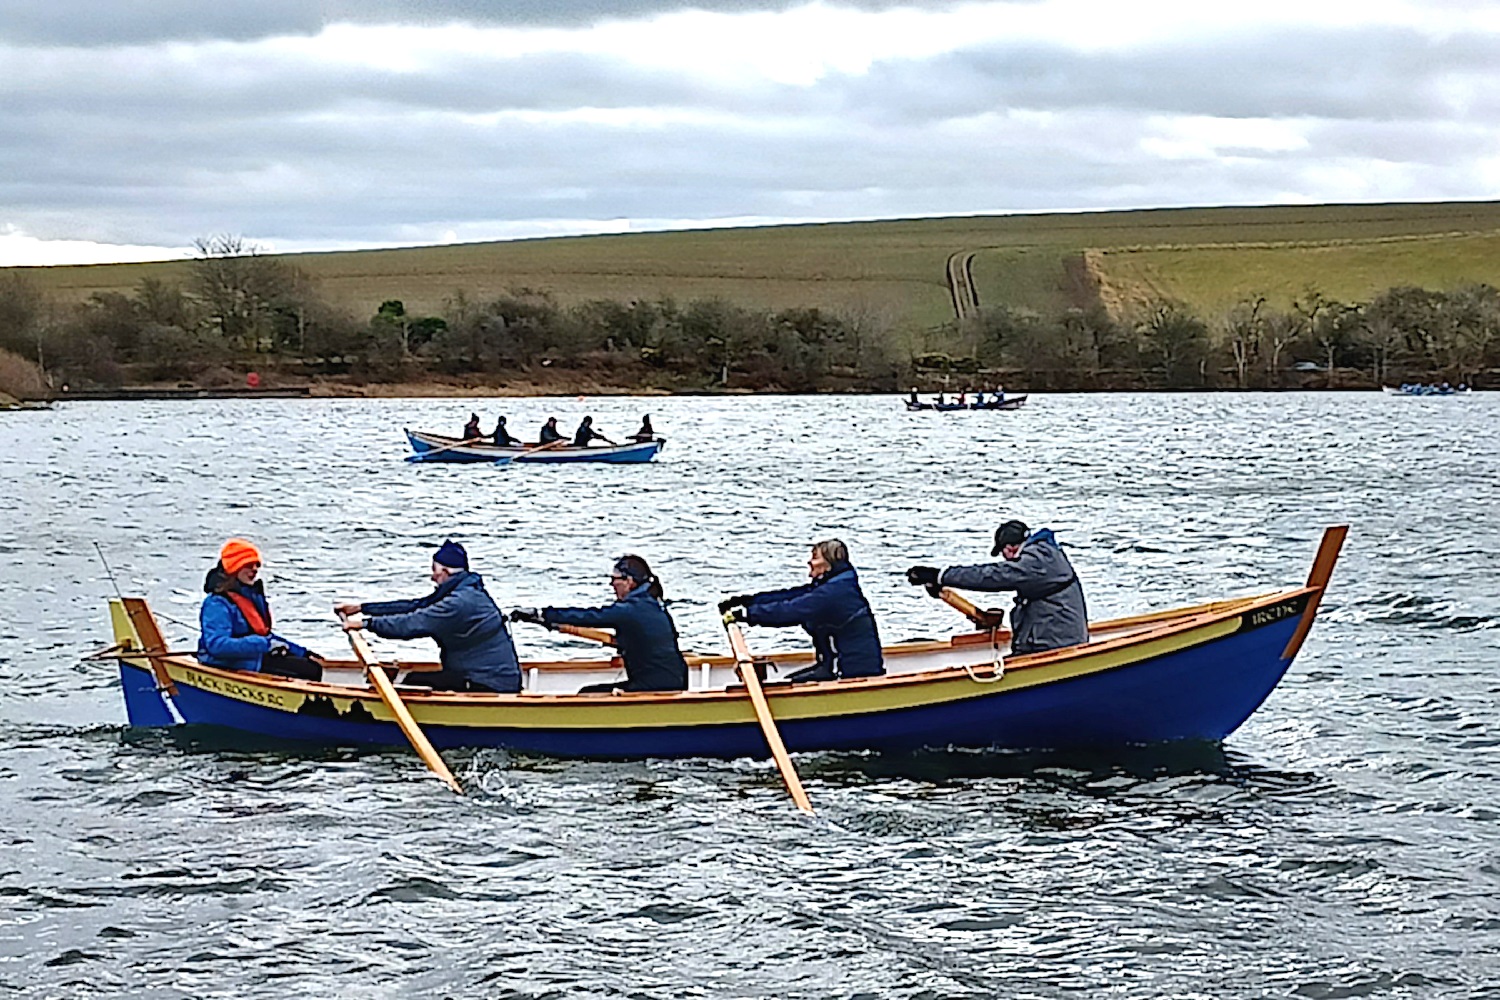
{"points": [[104, 23], [1371, 73], [122, 146]]}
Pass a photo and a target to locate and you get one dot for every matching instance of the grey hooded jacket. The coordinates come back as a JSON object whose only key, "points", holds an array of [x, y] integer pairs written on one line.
{"points": [[1049, 611]]}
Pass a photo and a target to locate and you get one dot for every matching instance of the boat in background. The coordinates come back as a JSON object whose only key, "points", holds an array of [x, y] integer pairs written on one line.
{"points": [[1418, 389], [439, 448], [1193, 673], [1008, 403]]}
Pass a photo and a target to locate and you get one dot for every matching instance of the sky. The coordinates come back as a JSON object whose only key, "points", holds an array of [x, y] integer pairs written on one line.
{"points": [[131, 128]]}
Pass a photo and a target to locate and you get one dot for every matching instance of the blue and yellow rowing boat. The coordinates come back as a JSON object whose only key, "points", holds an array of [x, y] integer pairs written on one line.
{"points": [[427, 447], [1193, 673]]}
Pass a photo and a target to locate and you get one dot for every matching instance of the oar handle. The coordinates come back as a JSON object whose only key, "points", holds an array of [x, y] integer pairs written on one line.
{"points": [[970, 610], [584, 632]]}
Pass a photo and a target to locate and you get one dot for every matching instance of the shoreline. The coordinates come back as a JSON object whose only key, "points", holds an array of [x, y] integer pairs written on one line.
{"points": [[458, 388], [426, 391]]}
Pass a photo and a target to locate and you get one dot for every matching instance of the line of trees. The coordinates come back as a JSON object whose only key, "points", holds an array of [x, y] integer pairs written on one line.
{"points": [[1402, 334], [242, 309]]}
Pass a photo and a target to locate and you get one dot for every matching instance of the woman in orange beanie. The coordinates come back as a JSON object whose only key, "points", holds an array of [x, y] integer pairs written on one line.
{"points": [[235, 621]]}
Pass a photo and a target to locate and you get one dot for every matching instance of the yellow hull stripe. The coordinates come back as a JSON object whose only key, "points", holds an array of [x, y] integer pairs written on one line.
{"points": [[711, 708]]}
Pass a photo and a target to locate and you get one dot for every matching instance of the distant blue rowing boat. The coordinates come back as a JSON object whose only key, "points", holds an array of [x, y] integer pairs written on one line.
{"points": [[1418, 389], [1008, 403], [437, 448]]}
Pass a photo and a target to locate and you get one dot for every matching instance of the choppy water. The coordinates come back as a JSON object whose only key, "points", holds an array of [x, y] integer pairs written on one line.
{"points": [[1344, 843]]}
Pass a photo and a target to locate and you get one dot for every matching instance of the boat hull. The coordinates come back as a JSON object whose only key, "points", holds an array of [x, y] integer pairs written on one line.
{"points": [[437, 448]]}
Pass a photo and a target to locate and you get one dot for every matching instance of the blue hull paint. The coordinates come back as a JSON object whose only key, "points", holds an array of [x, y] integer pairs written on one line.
{"points": [[144, 704], [1201, 693]]}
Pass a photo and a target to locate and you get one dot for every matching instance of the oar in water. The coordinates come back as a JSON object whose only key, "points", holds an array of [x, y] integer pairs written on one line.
{"points": [[423, 456], [387, 691], [783, 760]]}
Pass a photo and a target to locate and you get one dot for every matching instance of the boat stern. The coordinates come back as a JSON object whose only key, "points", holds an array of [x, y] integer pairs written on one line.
{"points": [[147, 700]]}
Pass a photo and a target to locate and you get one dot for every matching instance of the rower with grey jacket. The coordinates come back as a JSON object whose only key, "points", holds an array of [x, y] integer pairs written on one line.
{"points": [[1049, 612]]}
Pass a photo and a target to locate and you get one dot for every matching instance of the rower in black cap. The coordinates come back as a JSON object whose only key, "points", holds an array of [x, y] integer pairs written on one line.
{"points": [[1049, 612]]}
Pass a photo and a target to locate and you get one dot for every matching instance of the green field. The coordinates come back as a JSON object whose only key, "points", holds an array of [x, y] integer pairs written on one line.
{"points": [[1205, 258]]}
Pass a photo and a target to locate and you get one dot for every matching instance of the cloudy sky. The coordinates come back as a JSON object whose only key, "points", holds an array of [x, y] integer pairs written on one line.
{"points": [[128, 128]]}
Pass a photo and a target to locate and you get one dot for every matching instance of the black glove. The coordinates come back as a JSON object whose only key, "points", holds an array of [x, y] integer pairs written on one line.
{"points": [[743, 600], [923, 576], [533, 615]]}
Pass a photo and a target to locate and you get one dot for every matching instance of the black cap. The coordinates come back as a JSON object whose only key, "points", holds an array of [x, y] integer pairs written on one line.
{"points": [[1010, 533]]}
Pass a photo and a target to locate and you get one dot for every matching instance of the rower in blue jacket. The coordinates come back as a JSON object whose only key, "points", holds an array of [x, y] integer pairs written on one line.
{"points": [[832, 609], [645, 634], [473, 641]]}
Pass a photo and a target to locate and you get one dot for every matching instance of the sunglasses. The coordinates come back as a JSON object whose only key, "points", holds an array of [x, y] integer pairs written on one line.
{"points": [[615, 577]]}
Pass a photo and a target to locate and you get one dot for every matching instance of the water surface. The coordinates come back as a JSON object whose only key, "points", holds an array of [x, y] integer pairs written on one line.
{"points": [[1343, 843]]}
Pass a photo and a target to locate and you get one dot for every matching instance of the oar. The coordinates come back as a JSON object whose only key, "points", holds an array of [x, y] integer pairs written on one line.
{"points": [[533, 450], [387, 690], [582, 631], [970, 610], [746, 667], [423, 456]]}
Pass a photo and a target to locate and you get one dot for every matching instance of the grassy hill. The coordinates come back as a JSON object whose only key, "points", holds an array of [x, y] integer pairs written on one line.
{"points": [[1205, 258]]}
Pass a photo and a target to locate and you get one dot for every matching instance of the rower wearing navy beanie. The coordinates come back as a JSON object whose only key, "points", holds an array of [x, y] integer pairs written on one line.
{"points": [[476, 649]]}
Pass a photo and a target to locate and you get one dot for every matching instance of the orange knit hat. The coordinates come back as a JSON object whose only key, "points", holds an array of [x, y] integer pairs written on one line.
{"points": [[237, 554]]}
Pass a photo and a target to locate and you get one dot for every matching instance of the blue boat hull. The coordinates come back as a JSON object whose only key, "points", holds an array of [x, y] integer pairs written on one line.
{"points": [[1201, 693], [435, 448]]}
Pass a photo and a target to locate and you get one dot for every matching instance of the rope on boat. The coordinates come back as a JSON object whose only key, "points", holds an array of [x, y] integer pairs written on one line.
{"points": [[997, 663]]}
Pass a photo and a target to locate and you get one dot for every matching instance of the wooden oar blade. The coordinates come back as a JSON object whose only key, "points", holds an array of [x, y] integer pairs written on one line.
{"points": [[746, 666], [388, 694]]}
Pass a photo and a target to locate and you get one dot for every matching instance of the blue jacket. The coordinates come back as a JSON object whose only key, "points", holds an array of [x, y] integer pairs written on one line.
{"points": [[835, 613], [225, 638], [470, 631], [644, 635]]}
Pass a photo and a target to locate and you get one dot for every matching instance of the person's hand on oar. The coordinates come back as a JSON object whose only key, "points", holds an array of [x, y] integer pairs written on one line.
{"points": [[738, 601], [532, 615], [925, 576]]}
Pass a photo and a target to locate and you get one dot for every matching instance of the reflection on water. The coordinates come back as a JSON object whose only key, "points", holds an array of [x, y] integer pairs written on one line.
{"points": [[1342, 843]]}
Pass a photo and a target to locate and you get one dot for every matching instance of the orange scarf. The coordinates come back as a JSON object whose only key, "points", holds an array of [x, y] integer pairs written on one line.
{"points": [[247, 607]]}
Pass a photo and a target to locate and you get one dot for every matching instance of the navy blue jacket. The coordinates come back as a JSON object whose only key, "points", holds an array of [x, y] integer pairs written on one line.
{"points": [[226, 639], [835, 613], [644, 635], [470, 631]]}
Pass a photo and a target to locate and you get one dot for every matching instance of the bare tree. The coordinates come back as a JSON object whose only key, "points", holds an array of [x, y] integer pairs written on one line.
{"points": [[1244, 329], [238, 287]]}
